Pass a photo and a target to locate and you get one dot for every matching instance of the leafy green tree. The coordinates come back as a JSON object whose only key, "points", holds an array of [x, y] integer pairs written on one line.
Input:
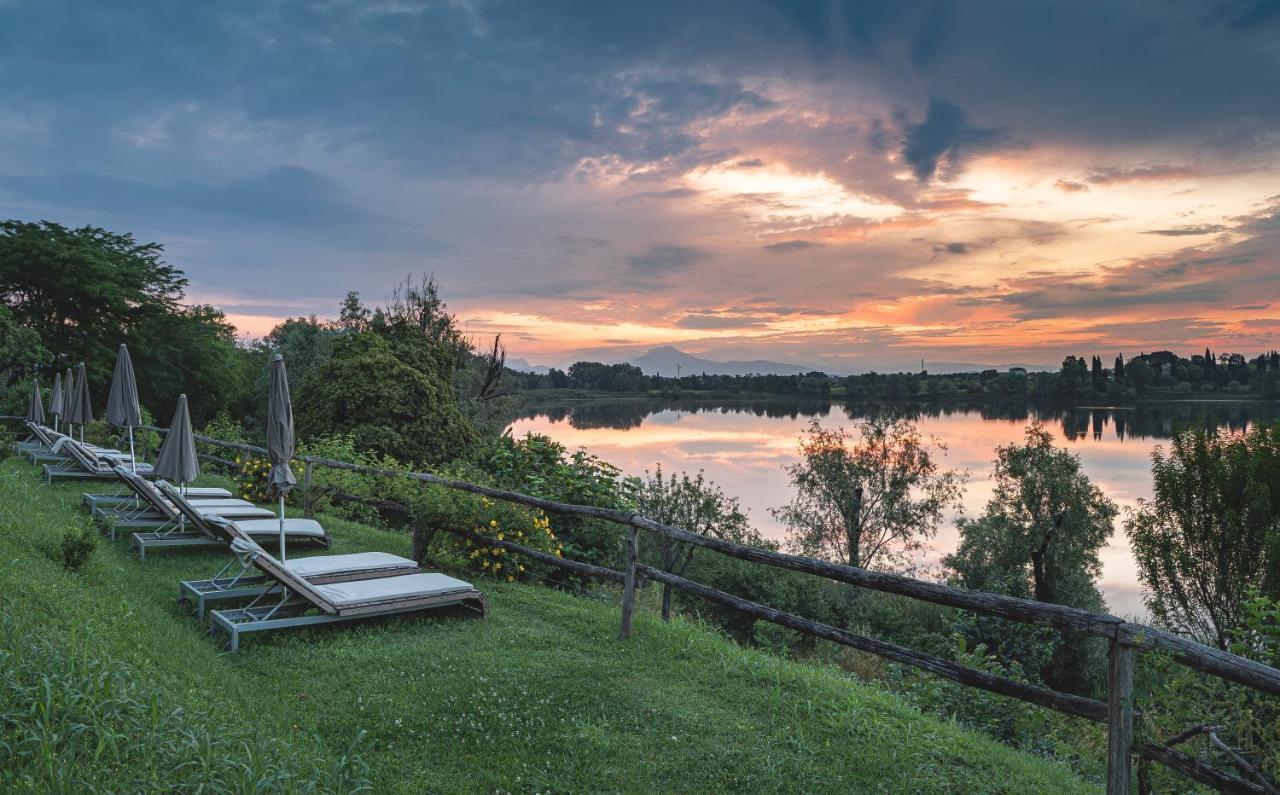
{"points": [[387, 406], [868, 500], [304, 342], [20, 348], [1211, 532], [353, 316], [692, 503], [1039, 537], [192, 351], [82, 290]]}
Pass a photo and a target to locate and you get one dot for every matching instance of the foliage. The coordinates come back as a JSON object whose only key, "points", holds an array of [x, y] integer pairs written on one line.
{"points": [[79, 289], [439, 508], [342, 447], [304, 342], [692, 503], [252, 474], [389, 407], [1039, 537], [871, 500], [420, 328], [20, 348], [192, 351], [1211, 532], [539, 466], [73, 722], [1173, 697], [1024, 726], [539, 696], [77, 544]]}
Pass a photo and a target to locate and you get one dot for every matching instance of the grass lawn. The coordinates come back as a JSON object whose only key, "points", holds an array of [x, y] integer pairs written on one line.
{"points": [[540, 696]]}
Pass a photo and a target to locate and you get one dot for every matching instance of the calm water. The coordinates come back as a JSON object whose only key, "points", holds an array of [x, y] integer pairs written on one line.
{"points": [[744, 446]]}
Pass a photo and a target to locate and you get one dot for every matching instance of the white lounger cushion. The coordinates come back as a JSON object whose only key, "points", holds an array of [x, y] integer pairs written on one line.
{"points": [[271, 527], [206, 492], [386, 589], [318, 565], [233, 510]]}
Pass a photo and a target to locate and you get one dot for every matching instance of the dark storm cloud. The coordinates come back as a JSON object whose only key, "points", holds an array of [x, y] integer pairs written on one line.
{"points": [[944, 139]]}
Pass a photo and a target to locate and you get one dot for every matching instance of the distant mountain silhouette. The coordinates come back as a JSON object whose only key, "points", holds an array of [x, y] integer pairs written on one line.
{"points": [[664, 359], [523, 366]]}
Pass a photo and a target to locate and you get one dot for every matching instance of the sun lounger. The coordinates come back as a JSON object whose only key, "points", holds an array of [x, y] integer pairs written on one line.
{"points": [[195, 531], [121, 497], [230, 583], [295, 602], [85, 464], [150, 508], [47, 446]]}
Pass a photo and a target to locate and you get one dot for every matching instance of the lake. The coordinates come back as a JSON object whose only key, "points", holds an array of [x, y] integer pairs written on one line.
{"points": [[744, 445]]}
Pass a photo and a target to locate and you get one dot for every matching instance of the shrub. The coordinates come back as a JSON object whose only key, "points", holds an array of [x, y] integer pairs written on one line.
{"points": [[77, 545], [343, 447], [440, 508], [539, 466]]}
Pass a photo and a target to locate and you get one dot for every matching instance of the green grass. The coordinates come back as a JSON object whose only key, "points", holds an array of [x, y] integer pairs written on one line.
{"points": [[541, 696]]}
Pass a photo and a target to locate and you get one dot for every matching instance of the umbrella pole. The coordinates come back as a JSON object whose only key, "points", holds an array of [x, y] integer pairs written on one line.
{"points": [[282, 527], [133, 462]]}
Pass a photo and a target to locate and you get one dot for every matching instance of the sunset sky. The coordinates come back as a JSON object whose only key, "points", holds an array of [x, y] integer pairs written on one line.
{"points": [[850, 184]]}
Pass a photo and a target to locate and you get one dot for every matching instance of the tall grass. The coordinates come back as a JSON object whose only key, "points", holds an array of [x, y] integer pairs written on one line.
{"points": [[71, 722]]}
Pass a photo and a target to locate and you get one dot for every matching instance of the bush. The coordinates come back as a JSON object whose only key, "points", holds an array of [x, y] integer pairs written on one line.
{"points": [[539, 466], [440, 508], [342, 447], [77, 545]]}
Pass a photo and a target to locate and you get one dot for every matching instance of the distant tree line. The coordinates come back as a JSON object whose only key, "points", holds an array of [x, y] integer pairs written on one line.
{"points": [[1149, 374]]}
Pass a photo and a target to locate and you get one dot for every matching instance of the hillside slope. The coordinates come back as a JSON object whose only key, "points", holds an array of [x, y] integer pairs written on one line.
{"points": [[540, 696]]}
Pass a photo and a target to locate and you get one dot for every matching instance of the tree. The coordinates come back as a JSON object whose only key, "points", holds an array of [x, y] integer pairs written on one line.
{"points": [[81, 290], [353, 316], [1039, 536], [20, 348], [1119, 367], [693, 503], [305, 343], [1211, 531], [867, 501], [193, 351], [418, 324], [388, 406]]}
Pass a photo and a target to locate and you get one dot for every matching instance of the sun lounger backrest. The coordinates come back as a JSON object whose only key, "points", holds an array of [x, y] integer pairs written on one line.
{"points": [[81, 455], [252, 552], [146, 491], [184, 507], [41, 433]]}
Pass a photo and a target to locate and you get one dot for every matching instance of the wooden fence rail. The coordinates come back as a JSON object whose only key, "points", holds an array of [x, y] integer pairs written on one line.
{"points": [[1125, 638]]}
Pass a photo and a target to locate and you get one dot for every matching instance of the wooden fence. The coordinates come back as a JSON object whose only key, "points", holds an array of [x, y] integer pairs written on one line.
{"points": [[1124, 638]]}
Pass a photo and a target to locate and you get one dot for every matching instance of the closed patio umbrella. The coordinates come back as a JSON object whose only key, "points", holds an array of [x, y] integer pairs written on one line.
{"points": [[122, 403], [35, 406], [280, 441], [81, 411], [55, 399], [177, 460]]}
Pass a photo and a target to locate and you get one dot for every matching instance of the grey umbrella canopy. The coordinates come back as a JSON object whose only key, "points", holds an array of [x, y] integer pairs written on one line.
{"points": [[81, 412], [35, 406], [68, 397], [177, 460], [122, 403], [280, 441], [55, 399]]}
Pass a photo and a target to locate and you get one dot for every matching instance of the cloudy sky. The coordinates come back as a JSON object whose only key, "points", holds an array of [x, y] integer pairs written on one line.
{"points": [[852, 184]]}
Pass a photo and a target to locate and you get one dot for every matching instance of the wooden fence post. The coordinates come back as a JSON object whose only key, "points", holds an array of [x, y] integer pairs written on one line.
{"points": [[629, 584], [308, 500], [1119, 713]]}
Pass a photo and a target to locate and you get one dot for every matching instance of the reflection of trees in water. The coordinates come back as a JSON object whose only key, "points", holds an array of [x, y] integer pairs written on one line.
{"points": [[1158, 421], [626, 414]]}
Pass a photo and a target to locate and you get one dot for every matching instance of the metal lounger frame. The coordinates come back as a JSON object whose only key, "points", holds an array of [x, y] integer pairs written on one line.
{"points": [[292, 612], [243, 585]]}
